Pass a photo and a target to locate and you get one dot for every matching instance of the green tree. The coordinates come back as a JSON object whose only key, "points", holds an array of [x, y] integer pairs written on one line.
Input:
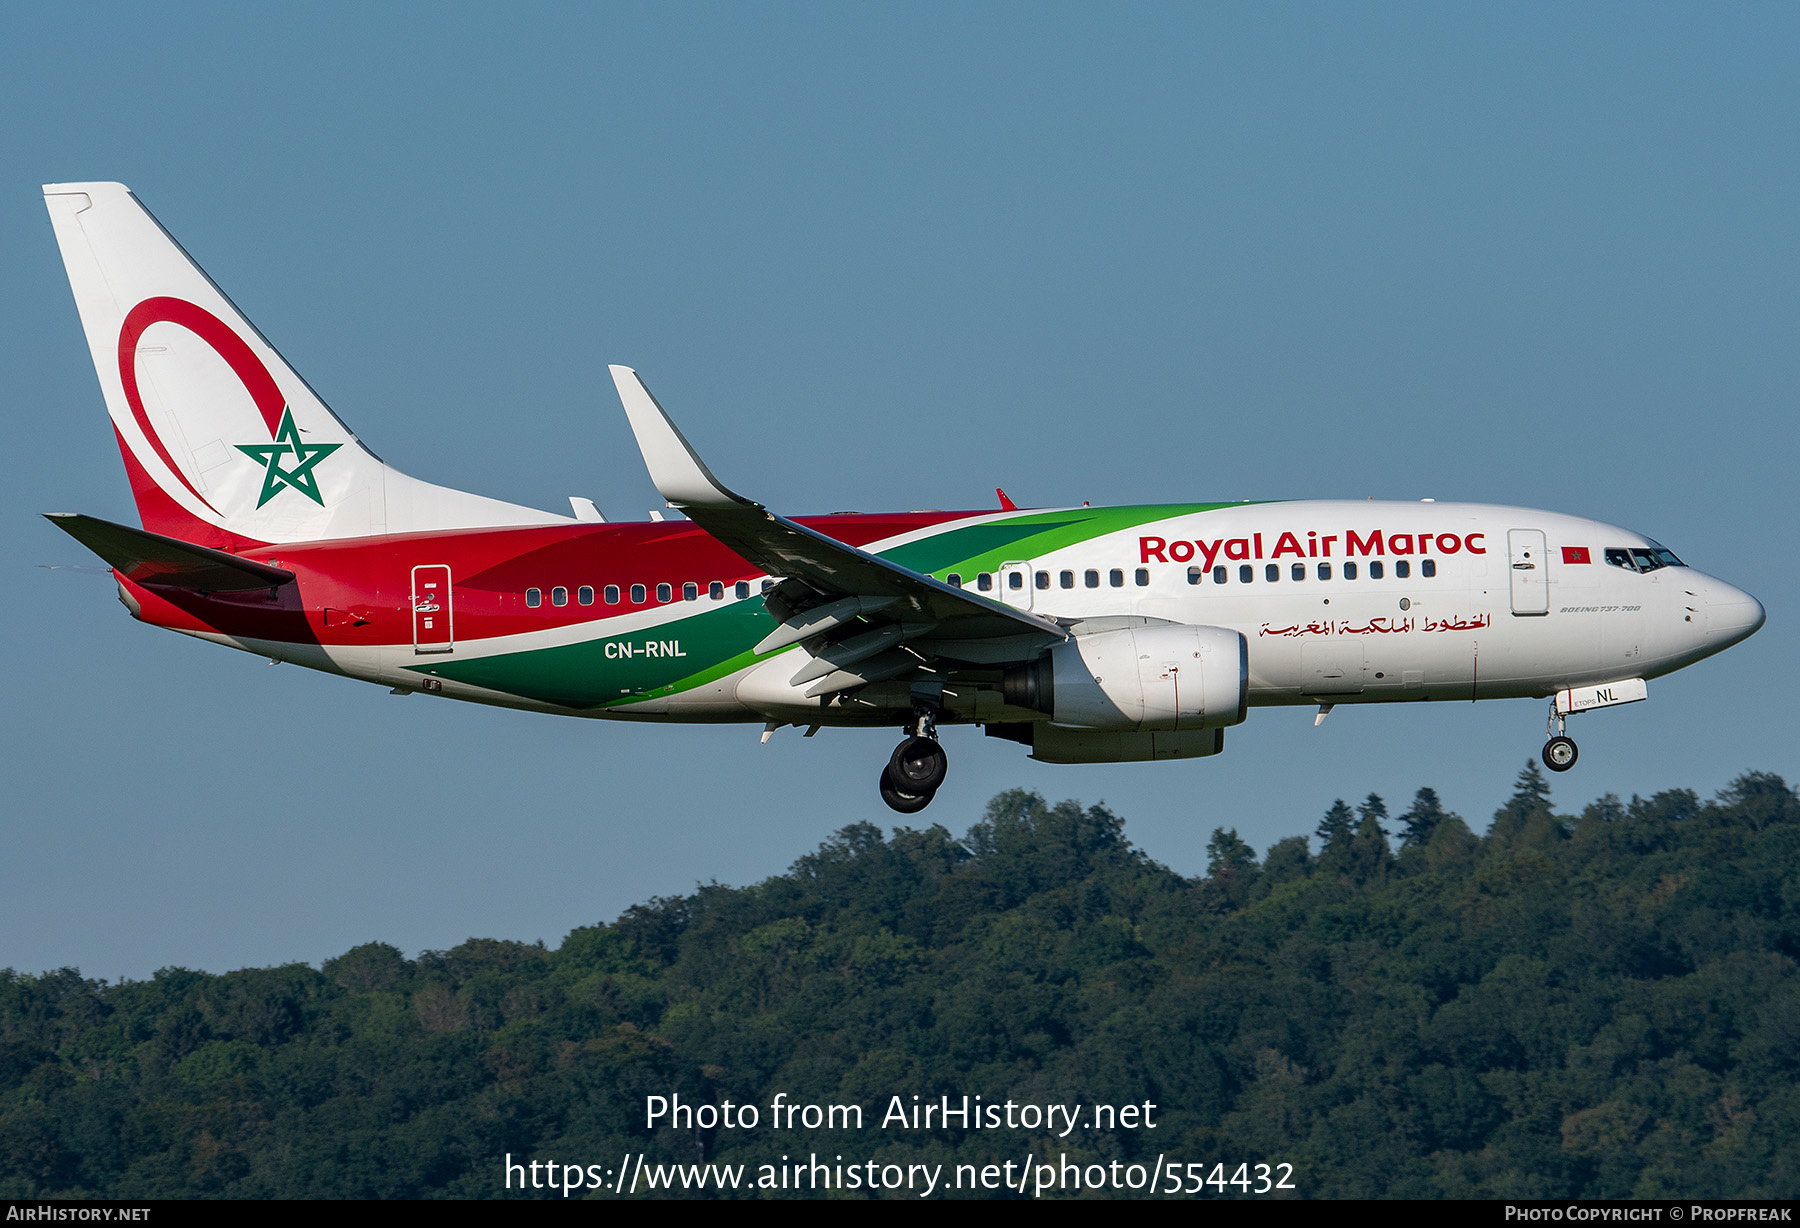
{"points": [[1374, 810], [1228, 856], [1530, 801], [1288, 859], [1369, 857], [1617, 1016], [1231, 869], [1334, 832], [1421, 819]]}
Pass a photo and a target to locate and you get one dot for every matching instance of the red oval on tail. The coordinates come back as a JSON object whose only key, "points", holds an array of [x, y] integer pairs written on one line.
{"points": [[225, 343]]}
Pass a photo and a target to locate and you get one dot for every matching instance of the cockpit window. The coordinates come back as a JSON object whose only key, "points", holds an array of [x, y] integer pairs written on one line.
{"points": [[1641, 558]]}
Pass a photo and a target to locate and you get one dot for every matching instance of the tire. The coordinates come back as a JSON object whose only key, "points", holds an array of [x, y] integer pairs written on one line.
{"points": [[918, 766], [904, 803], [1560, 754]]}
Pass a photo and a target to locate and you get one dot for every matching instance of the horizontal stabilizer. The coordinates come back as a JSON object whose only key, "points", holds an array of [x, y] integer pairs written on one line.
{"points": [[151, 558]]}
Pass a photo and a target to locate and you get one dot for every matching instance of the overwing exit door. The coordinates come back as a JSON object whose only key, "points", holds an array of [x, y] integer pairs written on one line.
{"points": [[432, 617], [1530, 571], [1015, 584]]}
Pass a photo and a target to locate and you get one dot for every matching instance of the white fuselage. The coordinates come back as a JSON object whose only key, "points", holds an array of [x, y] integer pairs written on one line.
{"points": [[1338, 623]]}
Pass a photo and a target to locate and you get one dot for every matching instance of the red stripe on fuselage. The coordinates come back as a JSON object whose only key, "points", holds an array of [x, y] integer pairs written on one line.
{"points": [[368, 580]]}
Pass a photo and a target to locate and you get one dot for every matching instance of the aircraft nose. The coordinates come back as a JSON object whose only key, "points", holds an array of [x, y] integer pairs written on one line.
{"points": [[1731, 613]]}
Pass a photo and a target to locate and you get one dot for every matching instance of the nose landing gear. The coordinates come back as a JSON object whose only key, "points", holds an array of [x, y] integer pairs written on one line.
{"points": [[1560, 751], [912, 776]]}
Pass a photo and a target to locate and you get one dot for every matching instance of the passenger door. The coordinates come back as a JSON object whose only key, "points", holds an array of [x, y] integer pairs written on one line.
{"points": [[433, 624], [1530, 571]]}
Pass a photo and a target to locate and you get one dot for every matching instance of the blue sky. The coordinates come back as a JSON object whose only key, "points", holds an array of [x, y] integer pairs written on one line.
{"points": [[873, 257]]}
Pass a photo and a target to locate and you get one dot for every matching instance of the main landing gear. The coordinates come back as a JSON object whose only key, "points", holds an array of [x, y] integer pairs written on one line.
{"points": [[912, 776], [1560, 751]]}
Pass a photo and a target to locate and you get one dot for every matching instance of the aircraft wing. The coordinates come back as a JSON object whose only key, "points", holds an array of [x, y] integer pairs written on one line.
{"points": [[845, 582], [151, 558]]}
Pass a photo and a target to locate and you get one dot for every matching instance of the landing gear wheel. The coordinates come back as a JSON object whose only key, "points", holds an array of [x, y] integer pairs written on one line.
{"points": [[1560, 753], [918, 765], [905, 803]]}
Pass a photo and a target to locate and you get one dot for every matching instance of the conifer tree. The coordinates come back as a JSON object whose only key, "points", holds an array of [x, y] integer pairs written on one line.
{"points": [[1368, 852], [1374, 810], [1422, 819], [1531, 791], [1531, 798], [1334, 832]]}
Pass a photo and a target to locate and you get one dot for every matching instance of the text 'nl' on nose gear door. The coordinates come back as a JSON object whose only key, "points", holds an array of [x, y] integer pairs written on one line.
{"points": [[1530, 571], [432, 621], [1015, 584]]}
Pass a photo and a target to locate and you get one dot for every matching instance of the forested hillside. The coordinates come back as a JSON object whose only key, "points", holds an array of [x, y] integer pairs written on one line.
{"points": [[1597, 1005]]}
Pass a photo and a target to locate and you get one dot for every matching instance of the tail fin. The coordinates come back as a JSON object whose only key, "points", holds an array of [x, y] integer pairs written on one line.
{"points": [[224, 443]]}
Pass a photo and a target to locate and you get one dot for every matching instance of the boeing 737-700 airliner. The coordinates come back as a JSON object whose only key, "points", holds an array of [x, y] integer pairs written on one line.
{"points": [[1089, 634]]}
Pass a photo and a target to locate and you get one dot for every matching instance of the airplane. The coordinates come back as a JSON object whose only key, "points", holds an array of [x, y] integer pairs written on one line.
{"points": [[1088, 634]]}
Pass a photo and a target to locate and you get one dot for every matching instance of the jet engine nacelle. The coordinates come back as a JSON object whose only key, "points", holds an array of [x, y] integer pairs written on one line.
{"points": [[1166, 677]]}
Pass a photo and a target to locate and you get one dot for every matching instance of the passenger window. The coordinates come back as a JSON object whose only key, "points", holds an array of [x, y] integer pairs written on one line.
{"points": [[1015, 580], [984, 581], [638, 596], [742, 589], [1349, 571], [690, 591], [1272, 572], [954, 580], [1143, 576], [1246, 574], [1194, 574], [1324, 571], [1091, 578], [1299, 571], [559, 595], [716, 590], [1066, 579], [1043, 579], [585, 594], [1116, 578], [1428, 568], [610, 594], [534, 598], [1402, 569], [1375, 569], [767, 585], [665, 592]]}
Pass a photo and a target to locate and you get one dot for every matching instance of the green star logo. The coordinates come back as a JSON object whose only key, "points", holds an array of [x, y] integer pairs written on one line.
{"points": [[288, 443]]}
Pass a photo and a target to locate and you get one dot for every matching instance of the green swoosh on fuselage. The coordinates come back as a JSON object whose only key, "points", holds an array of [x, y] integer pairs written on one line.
{"points": [[688, 652]]}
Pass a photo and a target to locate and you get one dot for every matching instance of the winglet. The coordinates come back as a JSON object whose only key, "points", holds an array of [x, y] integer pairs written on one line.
{"points": [[680, 475], [1006, 504]]}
